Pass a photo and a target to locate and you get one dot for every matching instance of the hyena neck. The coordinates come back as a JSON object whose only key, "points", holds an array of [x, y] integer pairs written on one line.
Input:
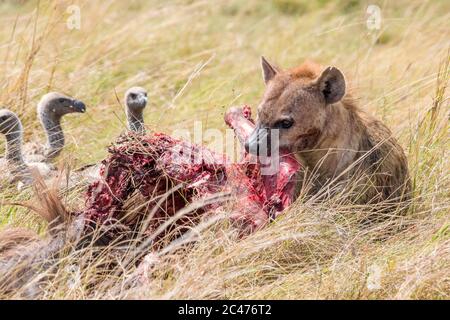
{"points": [[339, 141], [54, 133], [135, 121]]}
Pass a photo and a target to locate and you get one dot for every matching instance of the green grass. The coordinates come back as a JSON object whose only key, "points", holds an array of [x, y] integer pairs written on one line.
{"points": [[197, 58]]}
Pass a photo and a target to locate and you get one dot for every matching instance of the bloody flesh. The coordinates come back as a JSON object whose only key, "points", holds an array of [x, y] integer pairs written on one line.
{"points": [[269, 194], [155, 176]]}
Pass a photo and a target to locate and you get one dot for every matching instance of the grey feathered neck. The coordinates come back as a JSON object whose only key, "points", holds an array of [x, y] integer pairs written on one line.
{"points": [[135, 102], [51, 122], [14, 139]]}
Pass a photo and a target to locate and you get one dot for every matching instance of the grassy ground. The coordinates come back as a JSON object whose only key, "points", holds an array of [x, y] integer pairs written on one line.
{"points": [[197, 58]]}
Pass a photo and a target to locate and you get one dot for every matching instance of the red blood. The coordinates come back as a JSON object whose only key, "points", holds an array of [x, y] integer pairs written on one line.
{"points": [[268, 195], [142, 169]]}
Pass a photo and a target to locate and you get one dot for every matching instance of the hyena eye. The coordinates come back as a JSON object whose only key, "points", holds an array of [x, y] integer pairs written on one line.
{"points": [[284, 124]]}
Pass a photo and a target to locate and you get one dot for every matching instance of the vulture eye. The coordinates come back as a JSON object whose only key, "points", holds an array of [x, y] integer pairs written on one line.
{"points": [[285, 124], [133, 96], [61, 100]]}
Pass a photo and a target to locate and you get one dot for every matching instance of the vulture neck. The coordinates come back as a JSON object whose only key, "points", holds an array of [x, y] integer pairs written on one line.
{"points": [[13, 153], [135, 121], [55, 136]]}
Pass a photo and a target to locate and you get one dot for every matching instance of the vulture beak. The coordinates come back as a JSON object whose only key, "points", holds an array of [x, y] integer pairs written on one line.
{"points": [[79, 106]]}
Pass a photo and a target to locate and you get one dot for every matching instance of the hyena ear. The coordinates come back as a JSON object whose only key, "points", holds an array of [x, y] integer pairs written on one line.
{"points": [[332, 85], [268, 70]]}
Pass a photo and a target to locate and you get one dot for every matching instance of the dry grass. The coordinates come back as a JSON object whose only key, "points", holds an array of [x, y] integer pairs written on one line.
{"points": [[197, 58]]}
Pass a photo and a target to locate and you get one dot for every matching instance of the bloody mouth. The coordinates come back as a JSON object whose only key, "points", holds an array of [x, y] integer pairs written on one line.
{"points": [[151, 178]]}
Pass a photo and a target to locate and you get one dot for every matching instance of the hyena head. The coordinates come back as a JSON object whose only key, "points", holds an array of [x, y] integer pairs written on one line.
{"points": [[293, 110]]}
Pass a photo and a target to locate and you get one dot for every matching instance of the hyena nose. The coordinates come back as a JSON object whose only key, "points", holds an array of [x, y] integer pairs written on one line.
{"points": [[259, 143], [247, 146], [252, 144]]}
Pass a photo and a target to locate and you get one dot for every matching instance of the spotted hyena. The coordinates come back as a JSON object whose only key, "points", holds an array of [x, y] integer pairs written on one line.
{"points": [[333, 139]]}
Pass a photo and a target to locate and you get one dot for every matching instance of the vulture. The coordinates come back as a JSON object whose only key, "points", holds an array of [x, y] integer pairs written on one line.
{"points": [[13, 167], [50, 109], [135, 102]]}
